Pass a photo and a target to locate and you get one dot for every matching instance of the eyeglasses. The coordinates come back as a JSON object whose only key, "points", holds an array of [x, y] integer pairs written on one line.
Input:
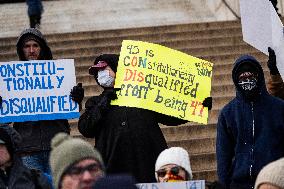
{"points": [[174, 170], [93, 169]]}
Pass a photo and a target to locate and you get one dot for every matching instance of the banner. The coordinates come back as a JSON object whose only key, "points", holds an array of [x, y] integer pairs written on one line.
{"points": [[37, 90], [194, 184], [164, 80]]}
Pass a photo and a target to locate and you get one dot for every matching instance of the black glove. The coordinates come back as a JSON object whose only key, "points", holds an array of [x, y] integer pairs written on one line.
{"points": [[207, 102], [1, 101], [77, 93], [271, 63], [106, 97]]}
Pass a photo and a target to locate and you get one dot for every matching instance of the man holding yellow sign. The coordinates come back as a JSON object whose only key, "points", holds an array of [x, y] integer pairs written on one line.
{"points": [[126, 130]]}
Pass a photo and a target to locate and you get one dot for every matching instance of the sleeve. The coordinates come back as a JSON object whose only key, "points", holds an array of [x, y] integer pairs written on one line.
{"points": [[89, 120], [276, 86], [224, 151], [169, 120]]}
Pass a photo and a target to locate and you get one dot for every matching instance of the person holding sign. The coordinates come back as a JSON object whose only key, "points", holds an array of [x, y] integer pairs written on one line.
{"points": [[173, 165], [275, 83], [128, 138], [250, 127], [36, 135]]}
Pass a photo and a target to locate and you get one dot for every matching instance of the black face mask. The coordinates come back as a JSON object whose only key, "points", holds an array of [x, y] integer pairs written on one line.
{"points": [[248, 85], [247, 82]]}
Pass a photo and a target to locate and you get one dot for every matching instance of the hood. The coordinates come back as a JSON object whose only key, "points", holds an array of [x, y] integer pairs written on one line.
{"points": [[249, 59], [34, 34], [112, 61], [11, 138]]}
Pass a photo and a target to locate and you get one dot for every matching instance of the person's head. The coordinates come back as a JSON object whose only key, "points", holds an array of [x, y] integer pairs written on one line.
{"points": [[271, 176], [104, 69], [31, 45], [173, 165], [9, 142], [116, 182], [248, 76], [74, 162]]}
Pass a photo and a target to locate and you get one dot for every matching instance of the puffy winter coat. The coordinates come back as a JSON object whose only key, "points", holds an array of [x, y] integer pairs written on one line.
{"points": [[250, 134]]}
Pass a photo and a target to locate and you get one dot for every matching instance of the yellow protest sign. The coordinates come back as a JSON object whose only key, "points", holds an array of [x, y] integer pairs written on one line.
{"points": [[164, 80]]}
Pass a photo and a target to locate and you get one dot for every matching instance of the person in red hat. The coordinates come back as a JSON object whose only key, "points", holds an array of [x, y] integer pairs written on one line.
{"points": [[128, 138]]}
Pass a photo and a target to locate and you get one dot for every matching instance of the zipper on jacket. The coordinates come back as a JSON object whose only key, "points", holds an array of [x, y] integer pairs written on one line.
{"points": [[252, 148]]}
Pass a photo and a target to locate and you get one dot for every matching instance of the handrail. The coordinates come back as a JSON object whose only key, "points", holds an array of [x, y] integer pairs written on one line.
{"points": [[229, 7]]}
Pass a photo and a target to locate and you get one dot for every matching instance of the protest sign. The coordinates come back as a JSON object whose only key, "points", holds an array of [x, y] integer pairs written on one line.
{"points": [[194, 184], [262, 28], [164, 80], [37, 90]]}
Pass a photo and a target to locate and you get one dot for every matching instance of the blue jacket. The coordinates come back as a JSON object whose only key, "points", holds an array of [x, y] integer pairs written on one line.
{"points": [[250, 133]]}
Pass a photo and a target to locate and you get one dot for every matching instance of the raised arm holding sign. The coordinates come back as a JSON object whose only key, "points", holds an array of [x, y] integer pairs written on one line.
{"points": [[128, 136], [35, 96]]}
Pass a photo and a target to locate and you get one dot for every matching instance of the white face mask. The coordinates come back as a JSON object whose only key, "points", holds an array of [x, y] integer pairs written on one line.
{"points": [[105, 79]]}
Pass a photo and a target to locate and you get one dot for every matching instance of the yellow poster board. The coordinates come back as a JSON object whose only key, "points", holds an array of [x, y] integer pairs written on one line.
{"points": [[164, 80]]}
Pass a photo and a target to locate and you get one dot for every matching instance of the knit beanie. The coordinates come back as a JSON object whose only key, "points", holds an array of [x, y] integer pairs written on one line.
{"points": [[273, 174], [116, 182], [67, 151], [174, 155]]}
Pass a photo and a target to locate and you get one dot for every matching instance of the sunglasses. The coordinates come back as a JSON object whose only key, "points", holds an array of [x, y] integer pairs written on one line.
{"points": [[174, 170], [75, 171]]}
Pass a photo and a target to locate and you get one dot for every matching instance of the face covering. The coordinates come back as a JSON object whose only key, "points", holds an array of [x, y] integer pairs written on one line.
{"points": [[105, 79], [248, 84]]}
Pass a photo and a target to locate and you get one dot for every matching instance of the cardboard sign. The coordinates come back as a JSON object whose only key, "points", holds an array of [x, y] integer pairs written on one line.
{"points": [[164, 80], [194, 184], [262, 28], [37, 90]]}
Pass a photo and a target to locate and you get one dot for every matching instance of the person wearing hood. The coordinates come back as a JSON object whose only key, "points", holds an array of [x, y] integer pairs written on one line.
{"points": [[13, 174], [36, 135], [250, 127], [128, 138]]}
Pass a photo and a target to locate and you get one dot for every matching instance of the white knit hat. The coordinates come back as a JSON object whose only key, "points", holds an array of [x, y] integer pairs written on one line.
{"points": [[273, 173], [174, 155]]}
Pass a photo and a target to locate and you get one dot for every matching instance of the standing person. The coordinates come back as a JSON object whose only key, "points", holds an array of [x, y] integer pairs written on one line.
{"points": [[75, 163], [275, 83], [173, 165], [13, 174], [35, 10], [271, 176], [36, 135], [128, 138], [250, 127]]}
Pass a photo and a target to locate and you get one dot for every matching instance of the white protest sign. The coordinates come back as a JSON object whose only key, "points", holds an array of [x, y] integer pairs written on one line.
{"points": [[262, 28], [194, 184], [37, 90]]}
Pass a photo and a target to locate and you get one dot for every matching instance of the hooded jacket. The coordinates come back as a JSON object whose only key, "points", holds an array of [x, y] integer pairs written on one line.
{"points": [[18, 176], [37, 135], [249, 133], [129, 139]]}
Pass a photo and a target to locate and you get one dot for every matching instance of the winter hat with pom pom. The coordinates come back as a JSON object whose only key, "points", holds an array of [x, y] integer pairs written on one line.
{"points": [[67, 151]]}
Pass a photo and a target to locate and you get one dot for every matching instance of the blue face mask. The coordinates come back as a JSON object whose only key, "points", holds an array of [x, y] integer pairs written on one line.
{"points": [[105, 79]]}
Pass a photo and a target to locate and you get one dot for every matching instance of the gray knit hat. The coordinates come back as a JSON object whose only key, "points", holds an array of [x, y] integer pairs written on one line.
{"points": [[67, 151], [273, 174]]}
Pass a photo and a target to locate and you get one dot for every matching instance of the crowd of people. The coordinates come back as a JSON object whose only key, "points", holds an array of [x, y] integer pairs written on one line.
{"points": [[130, 147]]}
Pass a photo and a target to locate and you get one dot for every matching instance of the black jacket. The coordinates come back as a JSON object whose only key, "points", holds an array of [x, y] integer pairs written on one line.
{"points": [[129, 139], [18, 176], [37, 135]]}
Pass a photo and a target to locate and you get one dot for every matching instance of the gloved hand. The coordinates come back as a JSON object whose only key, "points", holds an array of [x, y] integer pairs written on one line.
{"points": [[77, 93], [106, 97], [207, 102], [271, 63]]}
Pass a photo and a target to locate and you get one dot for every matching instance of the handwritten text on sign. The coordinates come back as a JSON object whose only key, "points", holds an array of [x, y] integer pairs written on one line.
{"points": [[195, 184], [37, 90], [164, 80]]}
